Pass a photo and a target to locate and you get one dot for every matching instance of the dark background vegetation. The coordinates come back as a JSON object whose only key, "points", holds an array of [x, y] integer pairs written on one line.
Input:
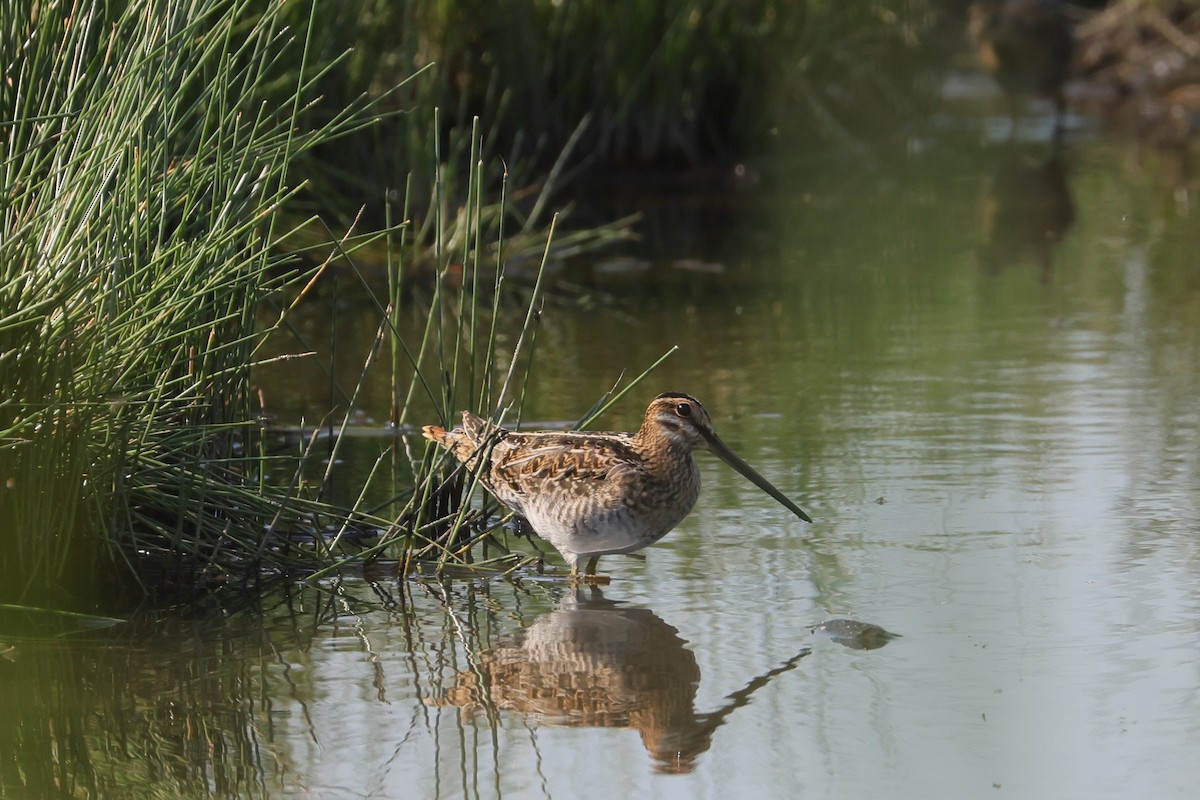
{"points": [[676, 85]]}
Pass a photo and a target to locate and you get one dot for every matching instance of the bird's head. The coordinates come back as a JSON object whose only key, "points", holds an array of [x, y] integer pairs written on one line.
{"points": [[683, 423]]}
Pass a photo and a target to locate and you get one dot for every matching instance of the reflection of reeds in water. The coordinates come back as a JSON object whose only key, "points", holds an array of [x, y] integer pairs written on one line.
{"points": [[175, 716], [596, 663]]}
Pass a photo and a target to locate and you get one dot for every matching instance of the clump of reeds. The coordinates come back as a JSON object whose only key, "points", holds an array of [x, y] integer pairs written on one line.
{"points": [[142, 171], [147, 156]]}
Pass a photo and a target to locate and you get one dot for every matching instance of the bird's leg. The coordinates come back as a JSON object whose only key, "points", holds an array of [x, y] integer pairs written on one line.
{"points": [[589, 576]]}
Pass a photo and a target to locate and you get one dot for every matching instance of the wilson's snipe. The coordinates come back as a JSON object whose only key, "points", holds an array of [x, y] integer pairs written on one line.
{"points": [[591, 494]]}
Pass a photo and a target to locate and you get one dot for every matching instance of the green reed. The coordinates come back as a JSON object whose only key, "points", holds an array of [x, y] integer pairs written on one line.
{"points": [[142, 172], [451, 365], [150, 157]]}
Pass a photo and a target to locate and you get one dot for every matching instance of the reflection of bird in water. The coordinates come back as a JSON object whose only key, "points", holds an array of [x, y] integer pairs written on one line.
{"points": [[1025, 211], [590, 494], [1027, 45], [597, 663]]}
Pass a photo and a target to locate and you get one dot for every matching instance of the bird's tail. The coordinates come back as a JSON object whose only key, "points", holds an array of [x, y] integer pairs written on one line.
{"points": [[464, 441]]}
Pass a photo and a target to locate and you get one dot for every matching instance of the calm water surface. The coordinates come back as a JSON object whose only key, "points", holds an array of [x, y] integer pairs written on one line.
{"points": [[977, 368]]}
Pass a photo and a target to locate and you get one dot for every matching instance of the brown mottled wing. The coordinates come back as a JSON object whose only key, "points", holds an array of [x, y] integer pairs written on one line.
{"points": [[562, 466]]}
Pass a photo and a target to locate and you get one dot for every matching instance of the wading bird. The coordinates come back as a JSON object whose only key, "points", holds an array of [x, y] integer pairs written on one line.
{"points": [[592, 494]]}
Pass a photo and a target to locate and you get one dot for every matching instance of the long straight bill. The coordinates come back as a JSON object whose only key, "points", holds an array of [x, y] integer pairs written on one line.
{"points": [[729, 457]]}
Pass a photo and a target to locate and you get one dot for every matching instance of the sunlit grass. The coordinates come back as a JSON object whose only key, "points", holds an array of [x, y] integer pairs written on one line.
{"points": [[143, 171]]}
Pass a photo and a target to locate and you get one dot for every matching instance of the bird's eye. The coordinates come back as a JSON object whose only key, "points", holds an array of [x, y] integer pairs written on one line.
{"points": [[683, 410]]}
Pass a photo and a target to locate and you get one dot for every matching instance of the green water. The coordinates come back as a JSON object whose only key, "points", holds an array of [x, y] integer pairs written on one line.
{"points": [[976, 366]]}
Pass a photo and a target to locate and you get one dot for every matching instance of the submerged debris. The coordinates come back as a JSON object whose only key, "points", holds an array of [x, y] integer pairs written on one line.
{"points": [[854, 634]]}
